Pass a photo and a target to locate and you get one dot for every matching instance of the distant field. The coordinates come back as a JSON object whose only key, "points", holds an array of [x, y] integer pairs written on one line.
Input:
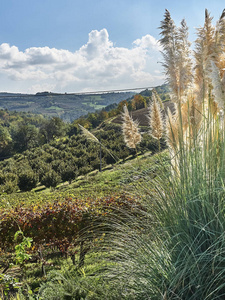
{"points": [[96, 106]]}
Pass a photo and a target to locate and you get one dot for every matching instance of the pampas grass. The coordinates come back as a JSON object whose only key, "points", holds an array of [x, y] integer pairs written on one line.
{"points": [[218, 90], [176, 249], [176, 53], [131, 133], [156, 119]]}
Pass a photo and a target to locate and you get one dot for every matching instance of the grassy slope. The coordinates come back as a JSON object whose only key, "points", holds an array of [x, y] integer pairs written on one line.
{"points": [[94, 184]]}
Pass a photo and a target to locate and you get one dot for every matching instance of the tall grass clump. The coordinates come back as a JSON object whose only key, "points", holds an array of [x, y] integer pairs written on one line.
{"points": [[175, 247]]}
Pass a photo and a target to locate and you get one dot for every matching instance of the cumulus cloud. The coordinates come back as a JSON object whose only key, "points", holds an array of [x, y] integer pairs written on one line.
{"points": [[148, 41], [8, 53], [96, 65], [97, 44]]}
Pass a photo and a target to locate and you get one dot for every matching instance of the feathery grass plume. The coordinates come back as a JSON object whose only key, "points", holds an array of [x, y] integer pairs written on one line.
{"points": [[156, 119], [173, 137], [204, 53], [131, 133], [172, 131], [220, 43], [191, 112], [218, 90], [176, 54], [176, 250], [168, 43], [184, 60], [194, 197], [158, 98]]}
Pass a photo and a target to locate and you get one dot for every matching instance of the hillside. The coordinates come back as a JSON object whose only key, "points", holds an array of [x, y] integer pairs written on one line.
{"points": [[141, 115], [66, 106]]}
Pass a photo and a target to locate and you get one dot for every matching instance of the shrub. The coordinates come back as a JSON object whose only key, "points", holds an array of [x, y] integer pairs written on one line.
{"points": [[8, 187], [85, 169], [27, 180], [69, 174], [51, 179]]}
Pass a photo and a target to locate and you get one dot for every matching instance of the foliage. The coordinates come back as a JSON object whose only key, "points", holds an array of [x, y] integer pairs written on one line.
{"points": [[73, 285], [27, 180], [56, 224], [68, 173], [55, 127], [8, 187], [8, 285], [24, 243], [24, 137], [66, 158], [50, 179]]}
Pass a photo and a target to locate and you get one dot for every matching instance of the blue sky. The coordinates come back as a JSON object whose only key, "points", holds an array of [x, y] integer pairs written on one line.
{"points": [[87, 45]]}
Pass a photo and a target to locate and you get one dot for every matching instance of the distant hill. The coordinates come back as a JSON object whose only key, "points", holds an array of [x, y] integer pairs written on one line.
{"points": [[162, 90], [66, 106]]}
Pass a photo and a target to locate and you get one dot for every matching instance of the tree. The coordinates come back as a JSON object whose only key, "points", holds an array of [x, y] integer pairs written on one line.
{"points": [[5, 141], [121, 105], [24, 137], [138, 102], [93, 119], [52, 128]]}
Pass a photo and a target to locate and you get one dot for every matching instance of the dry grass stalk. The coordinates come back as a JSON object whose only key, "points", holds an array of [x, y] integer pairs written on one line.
{"points": [[172, 131], [131, 133], [88, 134], [184, 61], [191, 112], [93, 138], [156, 119], [210, 47], [218, 89], [205, 51], [158, 98]]}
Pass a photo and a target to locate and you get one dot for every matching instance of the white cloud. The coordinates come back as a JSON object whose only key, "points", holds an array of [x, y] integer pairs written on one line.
{"points": [[96, 65], [97, 44], [147, 41]]}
